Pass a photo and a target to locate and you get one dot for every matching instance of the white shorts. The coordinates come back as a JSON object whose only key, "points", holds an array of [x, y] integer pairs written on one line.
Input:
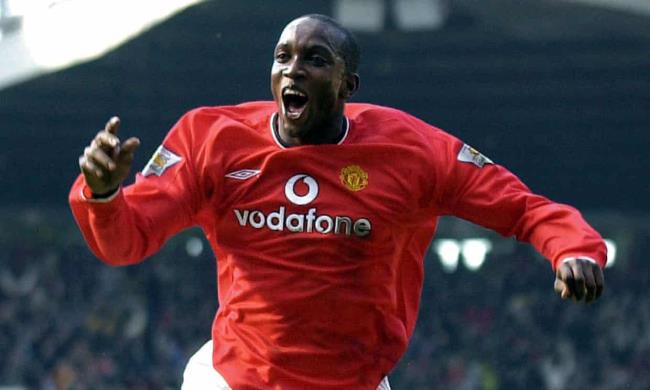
{"points": [[200, 375]]}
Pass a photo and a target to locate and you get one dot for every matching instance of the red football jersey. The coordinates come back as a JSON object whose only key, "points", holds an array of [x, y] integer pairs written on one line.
{"points": [[319, 247]]}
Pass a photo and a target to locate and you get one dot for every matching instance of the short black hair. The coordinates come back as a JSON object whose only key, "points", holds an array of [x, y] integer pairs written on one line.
{"points": [[349, 48]]}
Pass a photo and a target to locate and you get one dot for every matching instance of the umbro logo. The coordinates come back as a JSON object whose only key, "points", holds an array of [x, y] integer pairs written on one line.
{"points": [[243, 174]]}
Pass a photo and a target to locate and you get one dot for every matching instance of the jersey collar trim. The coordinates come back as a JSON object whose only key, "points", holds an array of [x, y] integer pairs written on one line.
{"points": [[276, 136]]}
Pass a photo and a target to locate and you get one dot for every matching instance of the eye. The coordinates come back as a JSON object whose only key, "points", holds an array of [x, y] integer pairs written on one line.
{"points": [[318, 61], [281, 57]]}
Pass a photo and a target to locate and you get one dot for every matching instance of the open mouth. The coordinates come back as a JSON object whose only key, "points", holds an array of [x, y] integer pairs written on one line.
{"points": [[294, 101]]}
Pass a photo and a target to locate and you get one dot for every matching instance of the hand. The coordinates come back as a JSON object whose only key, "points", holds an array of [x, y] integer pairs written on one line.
{"points": [[106, 162], [579, 279]]}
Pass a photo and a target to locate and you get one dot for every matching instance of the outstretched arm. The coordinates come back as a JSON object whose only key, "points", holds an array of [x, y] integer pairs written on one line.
{"points": [[125, 225], [489, 195]]}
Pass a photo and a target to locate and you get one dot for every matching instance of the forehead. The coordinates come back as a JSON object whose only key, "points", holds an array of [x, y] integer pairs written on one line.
{"points": [[310, 32]]}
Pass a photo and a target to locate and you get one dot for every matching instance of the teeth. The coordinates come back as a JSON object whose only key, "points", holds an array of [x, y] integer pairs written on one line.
{"points": [[294, 92]]}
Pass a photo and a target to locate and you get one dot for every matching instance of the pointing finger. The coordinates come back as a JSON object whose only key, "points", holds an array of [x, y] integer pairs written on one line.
{"points": [[112, 125]]}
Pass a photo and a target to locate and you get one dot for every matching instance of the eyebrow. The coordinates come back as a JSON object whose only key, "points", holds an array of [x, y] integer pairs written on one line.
{"points": [[317, 47]]}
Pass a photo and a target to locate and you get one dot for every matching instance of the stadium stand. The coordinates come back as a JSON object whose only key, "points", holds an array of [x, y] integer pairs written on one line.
{"points": [[555, 91]]}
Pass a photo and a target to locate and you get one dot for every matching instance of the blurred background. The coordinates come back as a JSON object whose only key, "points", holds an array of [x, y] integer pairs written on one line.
{"points": [[558, 91]]}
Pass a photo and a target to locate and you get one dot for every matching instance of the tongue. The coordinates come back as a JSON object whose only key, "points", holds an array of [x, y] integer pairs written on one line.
{"points": [[294, 111]]}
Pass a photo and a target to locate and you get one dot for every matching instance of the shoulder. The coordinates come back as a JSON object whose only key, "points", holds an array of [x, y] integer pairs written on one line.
{"points": [[386, 124], [213, 121], [249, 113], [204, 136], [372, 112]]}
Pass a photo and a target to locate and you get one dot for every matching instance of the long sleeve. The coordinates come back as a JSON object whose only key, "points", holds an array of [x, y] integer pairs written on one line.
{"points": [[487, 194], [141, 217]]}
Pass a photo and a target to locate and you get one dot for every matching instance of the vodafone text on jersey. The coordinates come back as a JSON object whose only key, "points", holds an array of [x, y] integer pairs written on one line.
{"points": [[309, 222]]}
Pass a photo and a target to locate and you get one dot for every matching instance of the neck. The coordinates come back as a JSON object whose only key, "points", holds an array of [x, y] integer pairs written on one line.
{"points": [[327, 132]]}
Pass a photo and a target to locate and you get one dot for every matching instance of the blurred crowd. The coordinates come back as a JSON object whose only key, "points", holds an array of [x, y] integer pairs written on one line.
{"points": [[68, 321], [504, 328]]}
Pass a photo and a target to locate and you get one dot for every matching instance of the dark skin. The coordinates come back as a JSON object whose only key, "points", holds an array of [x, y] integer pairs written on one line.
{"points": [[107, 161], [579, 280], [307, 58]]}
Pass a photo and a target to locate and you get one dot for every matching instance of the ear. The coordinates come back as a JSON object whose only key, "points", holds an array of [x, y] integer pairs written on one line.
{"points": [[350, 85]]}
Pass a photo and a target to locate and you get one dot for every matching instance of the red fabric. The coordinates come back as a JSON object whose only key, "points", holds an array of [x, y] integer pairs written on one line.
{"points": [[313, 310]]}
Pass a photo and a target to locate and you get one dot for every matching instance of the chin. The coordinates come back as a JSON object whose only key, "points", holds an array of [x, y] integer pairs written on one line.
{"points": [[296, 130]]}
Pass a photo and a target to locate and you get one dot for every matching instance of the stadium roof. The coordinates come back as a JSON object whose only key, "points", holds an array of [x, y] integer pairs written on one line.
{"points": [[556, 91]]}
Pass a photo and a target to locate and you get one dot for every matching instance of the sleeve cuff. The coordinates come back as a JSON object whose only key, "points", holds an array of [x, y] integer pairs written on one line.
{"points": [[579, 257], [87, 195]]}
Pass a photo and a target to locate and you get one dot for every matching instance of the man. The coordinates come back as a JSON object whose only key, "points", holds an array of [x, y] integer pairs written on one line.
{"points": [[319, 213]]}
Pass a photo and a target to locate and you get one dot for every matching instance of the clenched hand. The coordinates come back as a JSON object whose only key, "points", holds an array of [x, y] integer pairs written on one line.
{"points": [[579, 279], [106, 162]]}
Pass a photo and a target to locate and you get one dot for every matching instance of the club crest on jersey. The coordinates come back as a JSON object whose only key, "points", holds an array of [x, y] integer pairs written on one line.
{"points": [[354, 178], [471, 155], [162, 159]]}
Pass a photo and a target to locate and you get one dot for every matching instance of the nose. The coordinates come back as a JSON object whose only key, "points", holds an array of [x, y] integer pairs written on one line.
{"points": [[294, 69]]}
